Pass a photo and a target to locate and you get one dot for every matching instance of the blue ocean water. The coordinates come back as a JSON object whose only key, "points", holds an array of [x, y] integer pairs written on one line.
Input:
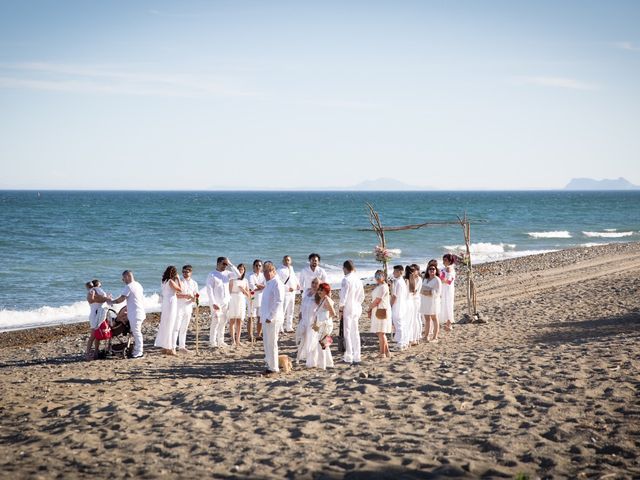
{"points": [[52, 242]]}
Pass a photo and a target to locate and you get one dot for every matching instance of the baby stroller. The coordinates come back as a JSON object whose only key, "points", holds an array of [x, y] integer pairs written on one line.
{"points": [[120, 344]]}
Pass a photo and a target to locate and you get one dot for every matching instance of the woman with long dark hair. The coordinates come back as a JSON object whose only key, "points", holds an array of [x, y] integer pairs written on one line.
{"points": [[430, 302], [166, 338], [239, 289]]}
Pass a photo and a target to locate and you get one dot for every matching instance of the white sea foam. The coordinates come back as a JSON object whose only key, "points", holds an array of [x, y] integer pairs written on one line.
{"points": [[607, 234], [46, 316], [593, 244], [555, 234], [610, 229], [491, 252]]}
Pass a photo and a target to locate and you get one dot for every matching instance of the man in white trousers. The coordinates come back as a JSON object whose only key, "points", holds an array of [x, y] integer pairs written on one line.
{"points": [[219, 297], [186, 301], [271, 315], [133, 293], [399, 294], [290, 281], [351, 298]]}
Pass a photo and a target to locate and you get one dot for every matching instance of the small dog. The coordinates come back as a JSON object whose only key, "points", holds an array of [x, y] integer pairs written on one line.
{"points": [[284, 363]]}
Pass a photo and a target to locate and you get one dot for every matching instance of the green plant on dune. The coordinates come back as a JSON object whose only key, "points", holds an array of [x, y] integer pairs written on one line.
{"points": [[521, 476]]}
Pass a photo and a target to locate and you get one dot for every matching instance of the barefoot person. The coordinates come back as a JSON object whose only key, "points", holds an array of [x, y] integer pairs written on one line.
{"points": [[186, 299], [399, 295], [271, 316], [319, 348], [430, 302], [256, 286], [219, 297], [166, 338], [239, 289], [133, 293], [290, 281], [96, 297], [380, 312], [448, 277], [351, 298]]}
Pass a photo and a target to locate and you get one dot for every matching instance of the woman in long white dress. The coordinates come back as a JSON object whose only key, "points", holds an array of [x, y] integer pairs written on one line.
{"points": [[239, 289], [380, 312], [448, 277], [257, 283], [413, 291], [166, 338], [307, 306], [418, 319], [319, 349], [430, 302]]}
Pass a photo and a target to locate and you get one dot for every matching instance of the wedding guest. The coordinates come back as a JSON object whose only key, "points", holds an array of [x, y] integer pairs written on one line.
{"points": [[303, 332], [133, 293], [416, 283], [319, 348], [410, 317], [271, 316], [219, 297], [380, 312], [430, 302], [290, 281], [448, 277], [314, 270], [186, 299], [351, 298], [256, 286], [398, 307], [166, 337], [239, 289], [96, 297]]}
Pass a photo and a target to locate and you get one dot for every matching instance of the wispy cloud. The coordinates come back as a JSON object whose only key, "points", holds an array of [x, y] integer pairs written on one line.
{"points": [[115, 80], [627, 46], [557, 82]]}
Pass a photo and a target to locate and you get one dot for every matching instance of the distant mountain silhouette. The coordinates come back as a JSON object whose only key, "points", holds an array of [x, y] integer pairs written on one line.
{"points": [[605, 184]]}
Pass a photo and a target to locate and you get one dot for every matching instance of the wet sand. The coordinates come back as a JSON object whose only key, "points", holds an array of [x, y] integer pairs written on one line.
{"points": [[549, 387]]}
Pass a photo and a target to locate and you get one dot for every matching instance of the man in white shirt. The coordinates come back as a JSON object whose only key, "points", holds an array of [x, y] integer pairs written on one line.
{"points": [[186, 301], [219, 297], [133, 293], [399, 293], [290, 281], [271, 315], [351, 298], [314, 270]]}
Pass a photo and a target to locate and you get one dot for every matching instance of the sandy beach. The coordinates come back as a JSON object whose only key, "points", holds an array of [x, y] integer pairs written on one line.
{"points": [[549, 387]]}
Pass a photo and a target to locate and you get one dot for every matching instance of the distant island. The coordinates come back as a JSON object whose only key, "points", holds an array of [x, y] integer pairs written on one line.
{"points": [[390, 184], [604, 184]]}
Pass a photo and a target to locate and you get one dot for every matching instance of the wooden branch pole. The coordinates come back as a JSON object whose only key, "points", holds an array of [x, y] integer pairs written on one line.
{"points": [[197, 329]]}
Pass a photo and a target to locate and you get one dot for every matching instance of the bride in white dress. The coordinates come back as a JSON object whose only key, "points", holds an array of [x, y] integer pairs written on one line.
{"points": [[307, 307], [166, 338], [319, 347]]}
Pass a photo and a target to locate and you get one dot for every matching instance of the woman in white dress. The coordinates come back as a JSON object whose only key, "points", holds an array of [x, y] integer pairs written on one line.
{"points": [[430, 302], [413, 291], [239, 289], [257, 283], [307, 306], [319, 348], [96, 297], [448, 277], [380, 312], [418, 319], [166, 338]]}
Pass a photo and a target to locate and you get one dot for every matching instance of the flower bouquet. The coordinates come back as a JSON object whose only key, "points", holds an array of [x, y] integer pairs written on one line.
{"points": [[382, 254], [197, 299]]}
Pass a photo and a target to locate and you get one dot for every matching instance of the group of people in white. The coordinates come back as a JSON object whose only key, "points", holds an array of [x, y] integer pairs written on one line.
{"points": [[411, 305]]}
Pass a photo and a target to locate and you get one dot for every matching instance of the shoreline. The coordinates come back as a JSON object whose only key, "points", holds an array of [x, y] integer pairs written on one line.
{"points": [[547, 388], [534, 262]]}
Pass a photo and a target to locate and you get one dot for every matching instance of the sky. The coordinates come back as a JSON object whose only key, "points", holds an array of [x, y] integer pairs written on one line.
{"points": [[193, 95]]}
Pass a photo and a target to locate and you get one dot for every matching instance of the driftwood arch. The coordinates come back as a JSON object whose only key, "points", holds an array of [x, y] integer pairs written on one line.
{"points": [[464, 222]]}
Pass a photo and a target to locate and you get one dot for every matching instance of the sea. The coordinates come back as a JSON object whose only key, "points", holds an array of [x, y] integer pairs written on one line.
{"points": [[52, 242]]}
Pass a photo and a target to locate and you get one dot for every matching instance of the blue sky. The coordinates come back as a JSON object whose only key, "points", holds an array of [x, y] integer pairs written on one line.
{"points": [[241, 94]]}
